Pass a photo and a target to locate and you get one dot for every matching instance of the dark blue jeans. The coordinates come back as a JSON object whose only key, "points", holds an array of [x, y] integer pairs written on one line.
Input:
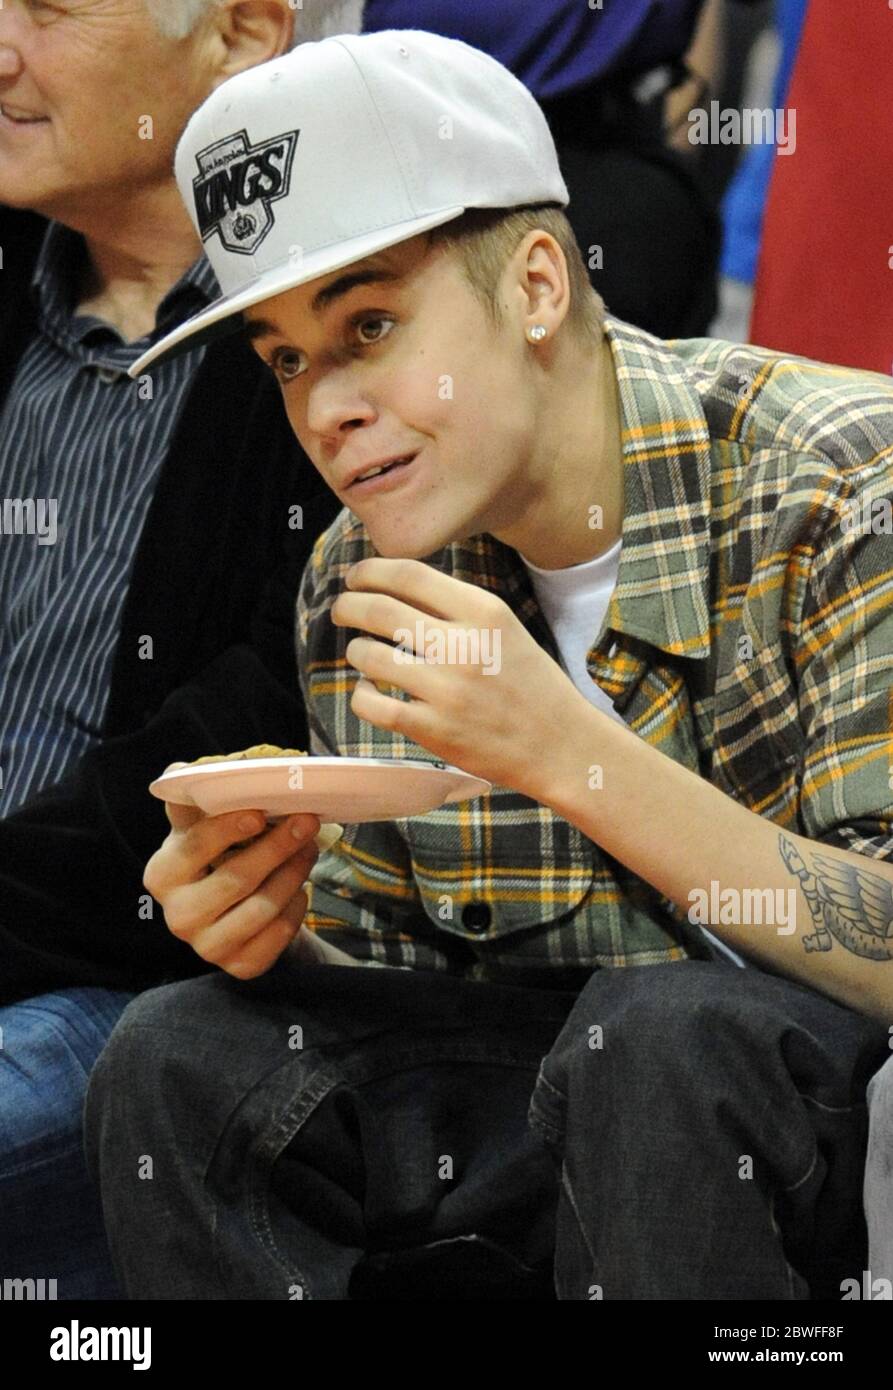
{"points": [[714, 1147], [339, 1133], [50, 1218]]}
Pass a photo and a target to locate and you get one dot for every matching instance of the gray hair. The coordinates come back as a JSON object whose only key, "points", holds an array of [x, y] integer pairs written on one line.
{"points": [[314, 19]]}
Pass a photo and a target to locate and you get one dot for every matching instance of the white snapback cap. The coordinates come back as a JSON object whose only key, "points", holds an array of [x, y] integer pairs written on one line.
{"points": [[338, 149]]}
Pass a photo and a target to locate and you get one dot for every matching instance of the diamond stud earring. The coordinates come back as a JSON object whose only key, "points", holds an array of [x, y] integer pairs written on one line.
{"points": [[537, 333]]}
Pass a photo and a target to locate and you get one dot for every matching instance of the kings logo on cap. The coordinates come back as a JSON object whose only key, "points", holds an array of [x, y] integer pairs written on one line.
{"points": [[236, 184]]}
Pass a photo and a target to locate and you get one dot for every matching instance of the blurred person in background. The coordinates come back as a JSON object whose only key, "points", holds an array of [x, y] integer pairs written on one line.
{"points": [[603, 76], [823, 280], [767, 64]]}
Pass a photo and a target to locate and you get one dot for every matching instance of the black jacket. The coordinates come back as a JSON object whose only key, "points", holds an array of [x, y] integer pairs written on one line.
{"points": [[214, 582]]}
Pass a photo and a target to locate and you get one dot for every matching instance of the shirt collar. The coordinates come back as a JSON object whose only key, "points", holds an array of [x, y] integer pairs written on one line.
{"points": [[57, 272], [662, 594]]}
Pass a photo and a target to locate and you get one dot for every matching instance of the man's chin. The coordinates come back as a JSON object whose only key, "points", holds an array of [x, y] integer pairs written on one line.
{"points": [[404, 547], [13, 198], [25, 196]]}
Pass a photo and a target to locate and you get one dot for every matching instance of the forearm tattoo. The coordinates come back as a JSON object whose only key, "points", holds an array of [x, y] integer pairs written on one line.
{"points": [[852, 905]]}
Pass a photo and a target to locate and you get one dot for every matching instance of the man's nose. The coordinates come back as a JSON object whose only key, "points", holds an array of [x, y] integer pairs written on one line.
{"points": [[335, 407]]}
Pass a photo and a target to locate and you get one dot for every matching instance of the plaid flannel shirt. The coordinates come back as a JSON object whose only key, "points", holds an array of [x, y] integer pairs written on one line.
{"points": [[753, 623]]}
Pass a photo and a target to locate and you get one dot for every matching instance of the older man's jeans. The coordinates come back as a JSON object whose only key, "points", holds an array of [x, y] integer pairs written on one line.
{"points": [[879, 1174], [50, 1217], [695, 1131]]}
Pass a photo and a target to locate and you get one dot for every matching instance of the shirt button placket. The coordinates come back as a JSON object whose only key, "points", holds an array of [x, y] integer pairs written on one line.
{"points": [[107, 375]]}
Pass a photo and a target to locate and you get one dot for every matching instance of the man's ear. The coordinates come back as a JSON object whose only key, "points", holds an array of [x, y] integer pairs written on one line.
{"points": [[542, 282], [252, 32]]}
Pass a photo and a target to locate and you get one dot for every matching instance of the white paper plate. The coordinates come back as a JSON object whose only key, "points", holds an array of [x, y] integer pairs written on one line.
{"points": [[347, 790]]}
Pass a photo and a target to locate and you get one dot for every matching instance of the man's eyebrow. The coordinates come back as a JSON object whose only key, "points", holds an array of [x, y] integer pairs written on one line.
{"points": [[262, 328], [258, 328], [345, 283]]}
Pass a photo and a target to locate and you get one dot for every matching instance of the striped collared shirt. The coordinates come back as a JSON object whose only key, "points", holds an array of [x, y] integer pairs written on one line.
{"points": [[81, 447], [753, 623]]}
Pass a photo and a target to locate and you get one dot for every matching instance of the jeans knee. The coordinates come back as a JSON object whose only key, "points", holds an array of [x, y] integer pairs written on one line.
{"points": [[638, 1031], [38, 1123], [49, 1045], [650, 1005]]}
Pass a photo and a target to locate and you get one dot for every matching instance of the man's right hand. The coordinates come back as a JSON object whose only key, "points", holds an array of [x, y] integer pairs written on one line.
{"points": [[239, 905]]}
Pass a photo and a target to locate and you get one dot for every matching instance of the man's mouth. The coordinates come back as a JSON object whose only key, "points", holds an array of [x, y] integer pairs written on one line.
{"points": [[19, 117], [363, 481]]}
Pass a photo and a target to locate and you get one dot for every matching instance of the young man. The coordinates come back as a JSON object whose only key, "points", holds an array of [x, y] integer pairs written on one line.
{"points": [[695, 732]]}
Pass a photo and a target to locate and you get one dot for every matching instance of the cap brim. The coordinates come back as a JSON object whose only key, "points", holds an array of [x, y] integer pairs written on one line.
{"points": [[216, 320]]}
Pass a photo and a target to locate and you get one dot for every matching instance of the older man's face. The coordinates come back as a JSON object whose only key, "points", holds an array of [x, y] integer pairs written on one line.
{"points": [[92, 102]]}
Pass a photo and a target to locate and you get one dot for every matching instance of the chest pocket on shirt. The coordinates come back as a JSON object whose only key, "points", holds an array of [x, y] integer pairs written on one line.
{"points": [[498, 865]]}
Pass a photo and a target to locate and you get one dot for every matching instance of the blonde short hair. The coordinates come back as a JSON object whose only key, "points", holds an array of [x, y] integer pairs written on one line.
{"points": [[484, 239]]}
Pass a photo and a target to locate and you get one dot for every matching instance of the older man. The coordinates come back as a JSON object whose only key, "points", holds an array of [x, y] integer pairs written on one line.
{"points": [[151, 539]]}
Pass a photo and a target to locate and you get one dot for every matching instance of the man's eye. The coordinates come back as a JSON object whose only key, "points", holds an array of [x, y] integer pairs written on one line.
{"points": [[373, 329], [287, 363]]}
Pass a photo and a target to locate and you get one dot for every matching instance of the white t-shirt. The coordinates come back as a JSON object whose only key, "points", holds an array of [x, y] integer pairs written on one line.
{"points": [[574, 602]]}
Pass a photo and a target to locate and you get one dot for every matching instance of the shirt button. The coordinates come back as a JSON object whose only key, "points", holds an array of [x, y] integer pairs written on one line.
{"points": [[108, 374], [476, 917]]}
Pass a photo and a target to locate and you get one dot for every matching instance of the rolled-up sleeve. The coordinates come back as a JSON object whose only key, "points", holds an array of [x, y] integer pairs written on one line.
{"points": [[845, 678]]}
